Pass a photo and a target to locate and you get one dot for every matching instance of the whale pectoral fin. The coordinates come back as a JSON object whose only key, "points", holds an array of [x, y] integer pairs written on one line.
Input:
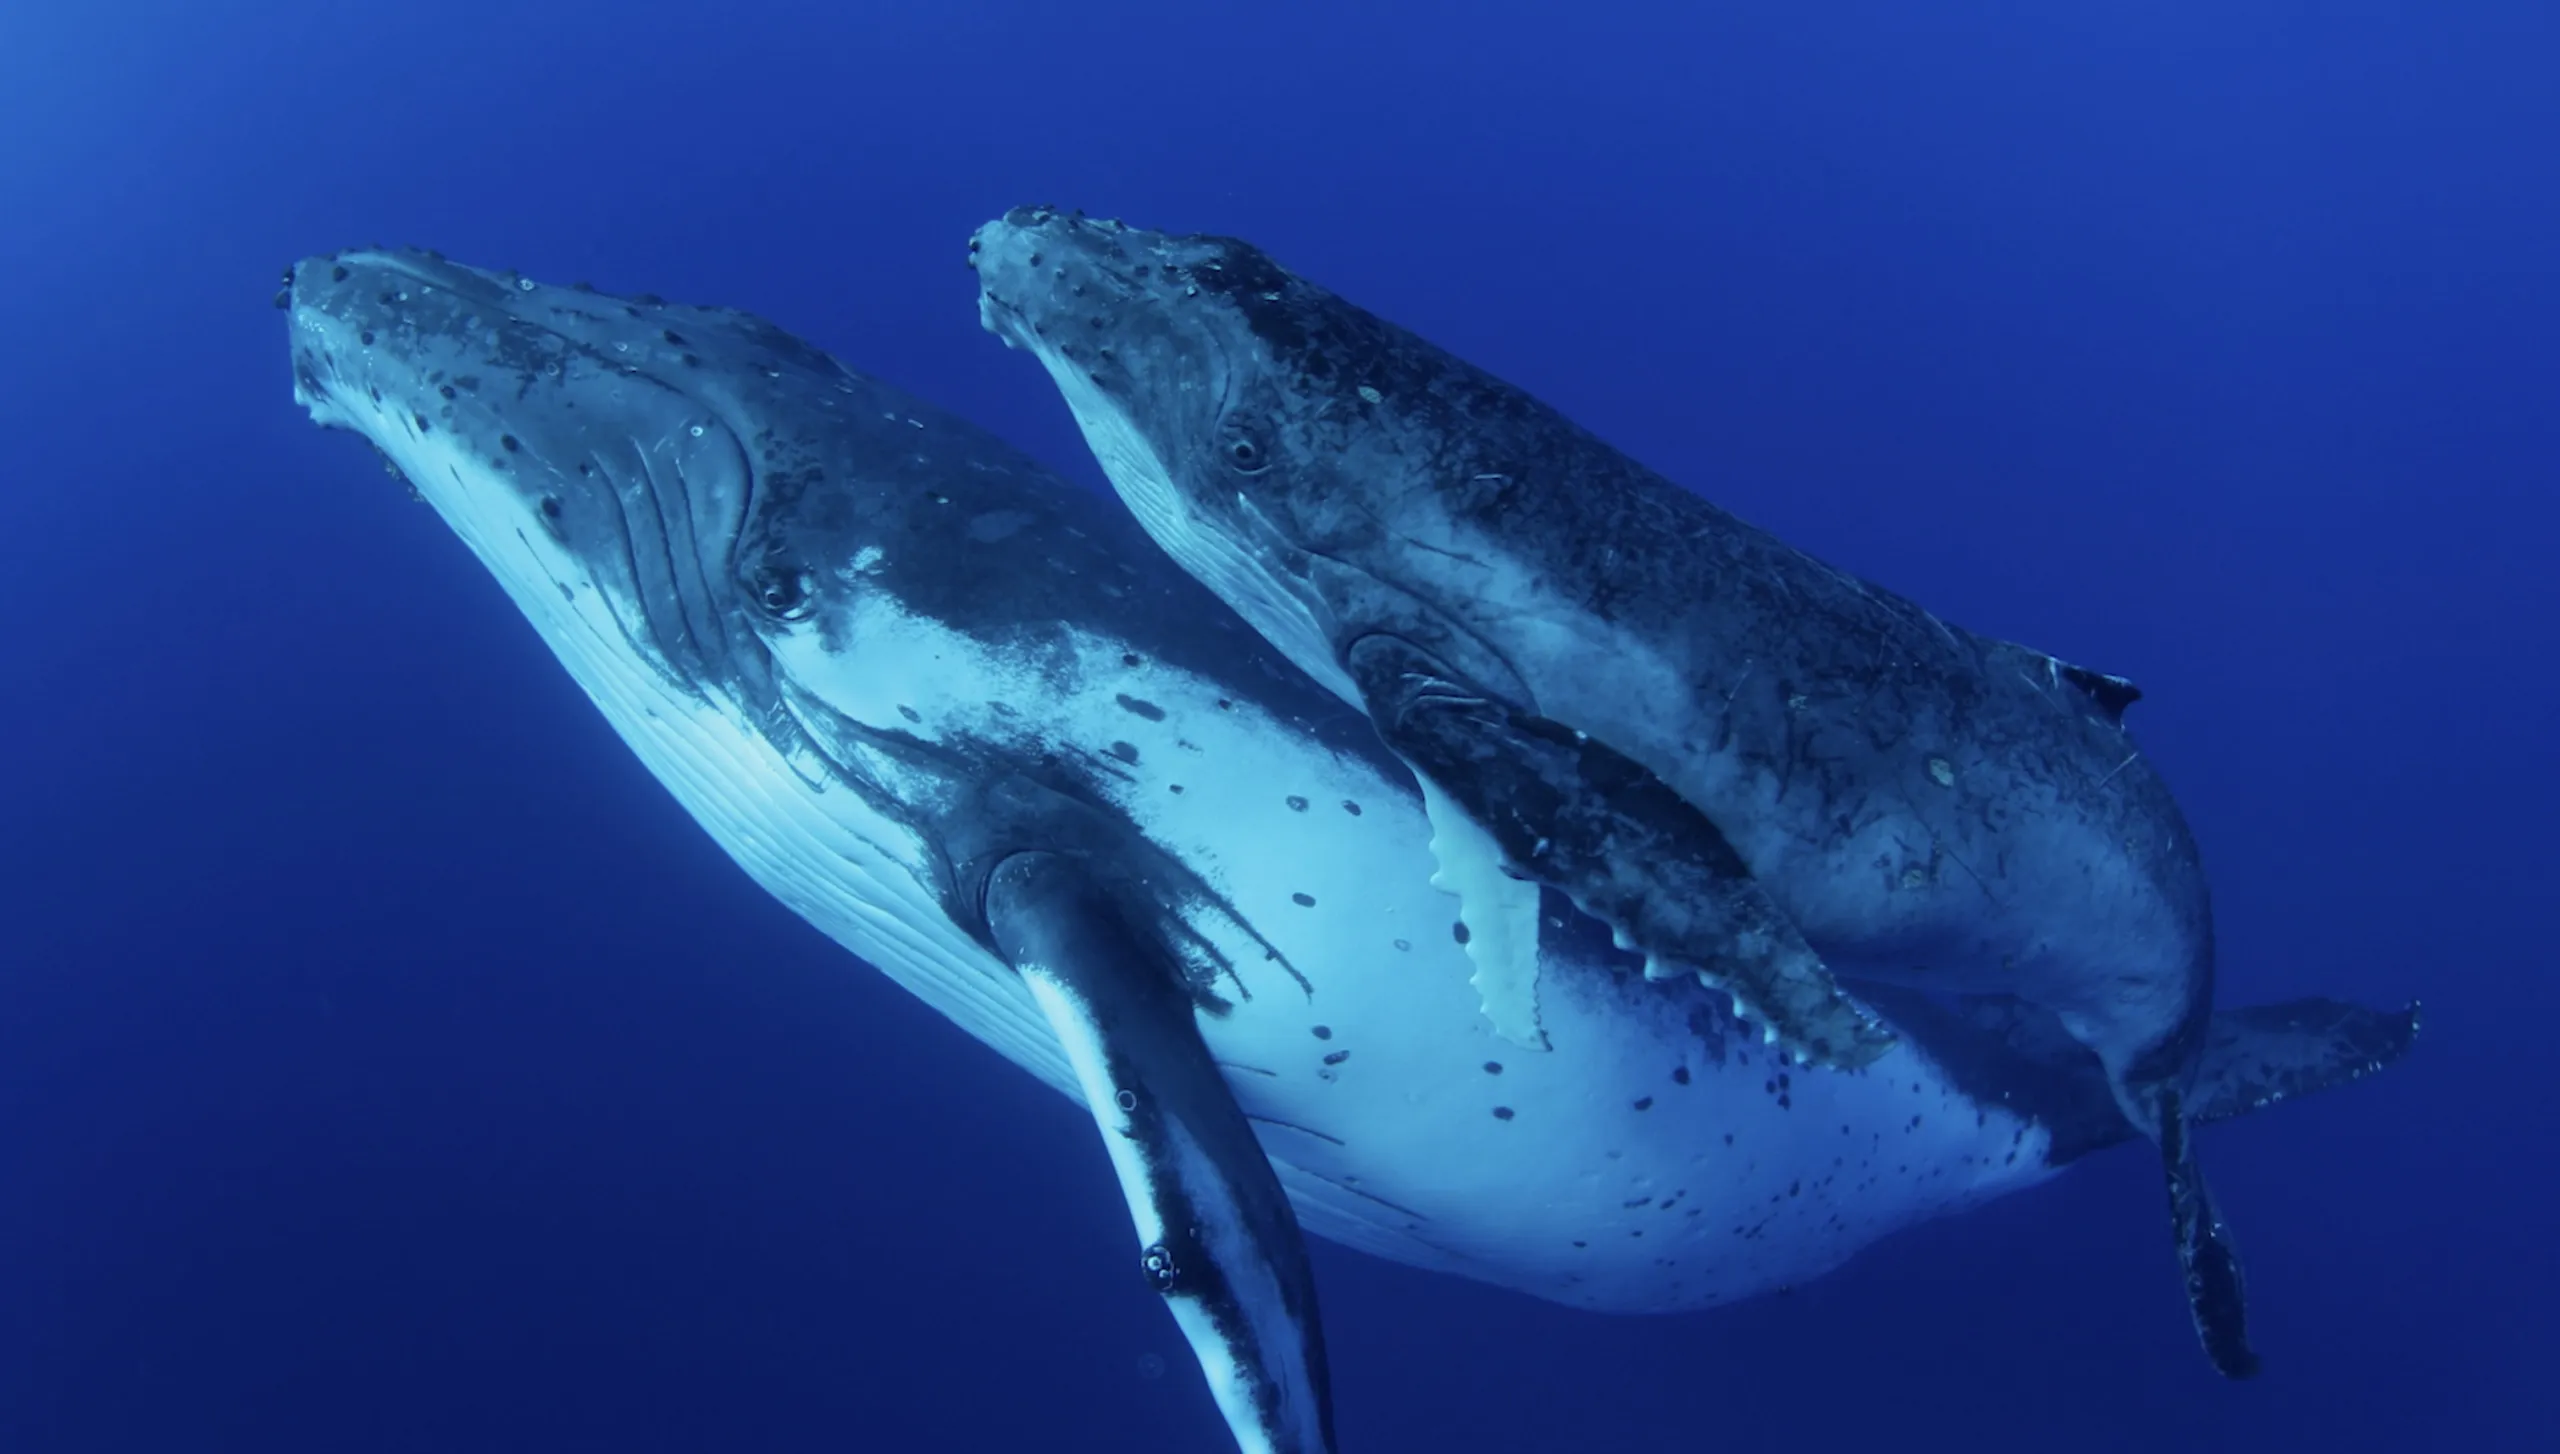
{"points": [[1499, 914], [2217, 1292], [1571, 813], [1221, 1244], [2261, 1054]]}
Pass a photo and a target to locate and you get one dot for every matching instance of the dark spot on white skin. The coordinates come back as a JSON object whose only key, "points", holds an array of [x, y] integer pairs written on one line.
{"points": [[1493, 1067], [1177, 787], [1126, 752], [1458, 931], [1645, 1104], [1148, 710], [1296, 804], [911, 714], [1351, 807], [1680, 1074], [1303, 901], [1337, 1057], [1502, 1113], [1404, 944], [1324, 1032]]}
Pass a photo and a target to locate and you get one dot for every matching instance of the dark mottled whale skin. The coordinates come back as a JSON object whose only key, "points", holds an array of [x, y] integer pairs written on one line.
{"points": [[1699, 733]]}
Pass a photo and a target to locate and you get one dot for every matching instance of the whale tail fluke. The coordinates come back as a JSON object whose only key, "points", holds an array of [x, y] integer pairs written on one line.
{"points": [[2257, 1056], [2217, 1291]]}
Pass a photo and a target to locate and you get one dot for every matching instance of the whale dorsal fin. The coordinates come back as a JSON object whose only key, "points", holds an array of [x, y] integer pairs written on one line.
{"points": [[2112, 693]]}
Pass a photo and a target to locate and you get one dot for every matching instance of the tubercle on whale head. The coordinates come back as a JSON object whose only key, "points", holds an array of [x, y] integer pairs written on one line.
{"points": [[435, 364], [481, 356]]}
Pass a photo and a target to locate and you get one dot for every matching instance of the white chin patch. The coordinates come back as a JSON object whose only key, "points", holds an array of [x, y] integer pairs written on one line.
{"points": [[1209, 555]]}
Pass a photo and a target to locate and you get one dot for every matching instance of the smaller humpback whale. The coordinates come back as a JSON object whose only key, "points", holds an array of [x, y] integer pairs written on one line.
{"points": [[966, 721], [1755, 768]]}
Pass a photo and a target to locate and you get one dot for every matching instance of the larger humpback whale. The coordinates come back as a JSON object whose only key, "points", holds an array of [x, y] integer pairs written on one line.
{"points": [[969, 723], [1750, 764]]}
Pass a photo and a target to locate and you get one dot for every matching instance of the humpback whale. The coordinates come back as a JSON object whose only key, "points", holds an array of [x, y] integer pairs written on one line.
{"points": [[964, 719], [1760, 771]]}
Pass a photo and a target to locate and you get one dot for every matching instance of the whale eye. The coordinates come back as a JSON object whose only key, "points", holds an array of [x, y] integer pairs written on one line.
{"points": [[1244, 453], [783, 592]]}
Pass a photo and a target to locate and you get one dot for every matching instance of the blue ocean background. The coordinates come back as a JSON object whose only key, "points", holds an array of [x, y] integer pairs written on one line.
{"points": [[387, 1064]]}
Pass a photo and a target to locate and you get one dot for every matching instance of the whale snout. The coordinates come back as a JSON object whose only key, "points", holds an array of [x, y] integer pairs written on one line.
{"points": [[444, 368], [575, 440], [364, 320], [1030, 262], [1070, 284], [319, 294], [428, 357]]}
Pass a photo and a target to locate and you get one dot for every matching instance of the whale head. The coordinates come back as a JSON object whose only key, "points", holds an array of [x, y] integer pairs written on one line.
{"points": [[681, 501], [1227, 400]]}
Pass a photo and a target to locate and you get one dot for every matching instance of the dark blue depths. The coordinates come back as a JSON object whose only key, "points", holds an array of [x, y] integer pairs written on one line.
{"points": [[386, 1063]]}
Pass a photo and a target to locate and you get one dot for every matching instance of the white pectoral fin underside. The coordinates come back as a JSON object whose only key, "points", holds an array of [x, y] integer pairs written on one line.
{"points": [[1500, 914], [1221, 1244]]}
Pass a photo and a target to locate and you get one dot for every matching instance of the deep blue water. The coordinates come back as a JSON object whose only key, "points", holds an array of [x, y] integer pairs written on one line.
{"points": [[387, 1064]]}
